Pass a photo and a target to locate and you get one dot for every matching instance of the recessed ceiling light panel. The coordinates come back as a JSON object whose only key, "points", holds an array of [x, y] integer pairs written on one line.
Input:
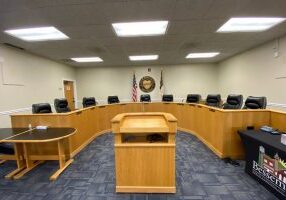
{"points": [[37, 34], [87, 59], [136, 29], [252, 24], [202, 55], [143, 57]]}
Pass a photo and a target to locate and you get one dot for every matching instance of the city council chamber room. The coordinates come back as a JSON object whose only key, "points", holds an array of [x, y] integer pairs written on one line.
{"points": [[143, 99]]}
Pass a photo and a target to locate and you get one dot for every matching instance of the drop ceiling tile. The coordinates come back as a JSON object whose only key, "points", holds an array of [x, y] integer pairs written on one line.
{"points": [[88, 31], [199, 26], [23, 19], [195, 9], [193, 25], [124, 11], [9, 6], [78, 14], [262, 8]]}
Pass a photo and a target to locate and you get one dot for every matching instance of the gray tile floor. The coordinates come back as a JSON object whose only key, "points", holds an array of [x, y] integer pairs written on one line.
{"points": [[200, 174]]}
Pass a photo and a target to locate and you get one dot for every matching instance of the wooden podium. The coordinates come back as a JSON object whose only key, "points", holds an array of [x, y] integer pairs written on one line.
{"points": [[145, 152]]}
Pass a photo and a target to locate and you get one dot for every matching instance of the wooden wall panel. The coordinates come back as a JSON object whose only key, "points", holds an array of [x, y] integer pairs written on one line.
{"points": [[103, 117], [156, 162], [239, 120], [191, 116], [133, 107], [153, 107], [178, 111], [278, 120], [183, 116]]}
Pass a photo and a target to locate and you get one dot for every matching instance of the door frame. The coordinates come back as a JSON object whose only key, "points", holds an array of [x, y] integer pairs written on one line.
{"points": [[74, 90]]}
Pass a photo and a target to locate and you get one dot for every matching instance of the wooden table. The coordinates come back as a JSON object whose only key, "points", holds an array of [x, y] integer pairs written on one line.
{"points": [[6, 133], [143, 165], [22, 141]]}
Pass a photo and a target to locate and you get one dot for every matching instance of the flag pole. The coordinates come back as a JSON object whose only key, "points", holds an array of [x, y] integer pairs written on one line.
{"points": [[134, 88], [161, 83]]}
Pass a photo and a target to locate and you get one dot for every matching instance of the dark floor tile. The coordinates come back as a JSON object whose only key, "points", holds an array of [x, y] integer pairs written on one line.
{"points": [[200, 175]]}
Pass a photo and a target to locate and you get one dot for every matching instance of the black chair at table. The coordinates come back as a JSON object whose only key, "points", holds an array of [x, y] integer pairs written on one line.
{"points": [[7, 149], [213, 100], [193, 98], [167, 98], [255, 103], [145, 98], [233, 101], [41, 108], [88, 101], [61, 105], [112, 99]]}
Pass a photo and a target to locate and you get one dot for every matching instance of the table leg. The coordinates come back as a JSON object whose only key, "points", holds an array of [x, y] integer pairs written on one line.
{"points": [[62, 160], [29, 163], [18, 148]]}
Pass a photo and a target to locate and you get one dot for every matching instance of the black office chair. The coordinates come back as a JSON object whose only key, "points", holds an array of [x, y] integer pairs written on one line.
{"points": [[7, 148], [255, 103], [41, 108], [213, 100], [168, 98], [193, 98], [145, 98], [61, 105], [112, 99], [88, 101], [233, 101]]}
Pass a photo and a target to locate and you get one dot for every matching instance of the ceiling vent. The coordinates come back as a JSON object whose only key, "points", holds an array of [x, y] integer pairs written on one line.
{"points": [[97, 50], [189, 45]]}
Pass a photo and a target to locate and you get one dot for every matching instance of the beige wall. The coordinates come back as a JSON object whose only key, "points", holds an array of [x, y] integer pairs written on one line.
{"points": [[178, 80], [255, 72], [26, 79]]}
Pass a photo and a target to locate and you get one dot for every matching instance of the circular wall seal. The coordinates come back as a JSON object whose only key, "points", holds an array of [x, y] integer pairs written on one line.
{"points": [[147, 84]]}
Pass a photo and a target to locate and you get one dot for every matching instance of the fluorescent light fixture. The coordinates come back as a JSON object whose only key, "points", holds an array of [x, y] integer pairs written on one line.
{"points": [[202, 55], [88, 59], [135, 29], [38, 34], [250, 24], [143, 57]]}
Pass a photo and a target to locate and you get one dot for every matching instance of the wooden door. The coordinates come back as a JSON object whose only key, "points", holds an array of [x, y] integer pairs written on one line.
{"points": [[69, 93]]}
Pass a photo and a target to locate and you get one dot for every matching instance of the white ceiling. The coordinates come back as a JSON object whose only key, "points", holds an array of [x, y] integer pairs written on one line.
{"points": [[192, 28]]}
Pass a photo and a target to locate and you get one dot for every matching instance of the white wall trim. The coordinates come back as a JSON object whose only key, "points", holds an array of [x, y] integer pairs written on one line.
{"points": [[19, 110], [9, 112], [276, 105]]}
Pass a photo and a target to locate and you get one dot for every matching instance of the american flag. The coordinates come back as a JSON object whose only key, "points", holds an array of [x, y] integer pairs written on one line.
{"points": [[161, 84], [134, 89]]}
